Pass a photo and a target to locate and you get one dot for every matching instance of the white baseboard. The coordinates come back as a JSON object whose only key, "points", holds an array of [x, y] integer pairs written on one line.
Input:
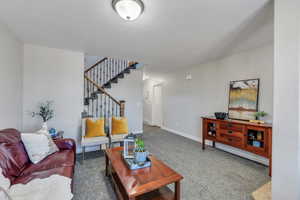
{"points": [[243, 154], [223, 147], [181, 133], [137, 132], [148, 122]]}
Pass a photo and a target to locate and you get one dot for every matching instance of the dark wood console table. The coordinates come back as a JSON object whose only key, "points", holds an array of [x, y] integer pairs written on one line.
{"points": [[251, 137]]}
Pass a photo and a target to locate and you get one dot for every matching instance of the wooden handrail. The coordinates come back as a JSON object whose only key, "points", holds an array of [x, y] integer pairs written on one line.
{"points": [[101, 89], [97, 63]]}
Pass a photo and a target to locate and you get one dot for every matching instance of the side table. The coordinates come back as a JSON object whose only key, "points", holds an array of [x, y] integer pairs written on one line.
{"points": [[59, 135]]}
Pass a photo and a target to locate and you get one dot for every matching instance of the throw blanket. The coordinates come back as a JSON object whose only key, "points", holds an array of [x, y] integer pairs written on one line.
{"points": [[55, 187]]}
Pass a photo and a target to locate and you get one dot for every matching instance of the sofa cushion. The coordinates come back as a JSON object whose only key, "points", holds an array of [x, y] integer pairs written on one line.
{"points": [[63, 171], [13, 157], [65, 158]]}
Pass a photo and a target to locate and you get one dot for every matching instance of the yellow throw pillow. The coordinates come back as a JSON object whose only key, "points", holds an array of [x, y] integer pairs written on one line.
{"points": [[94, 128], [119, 126]]}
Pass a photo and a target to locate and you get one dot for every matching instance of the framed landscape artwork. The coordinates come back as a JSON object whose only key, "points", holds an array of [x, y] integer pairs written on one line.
{"points": [[243, 99]]}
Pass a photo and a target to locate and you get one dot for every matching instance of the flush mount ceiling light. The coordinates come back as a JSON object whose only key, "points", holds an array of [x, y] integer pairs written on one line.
{"points": [[128, 9]]}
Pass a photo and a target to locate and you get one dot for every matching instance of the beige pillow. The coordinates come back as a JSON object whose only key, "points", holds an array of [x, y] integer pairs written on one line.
{"points": [[38, 145]]}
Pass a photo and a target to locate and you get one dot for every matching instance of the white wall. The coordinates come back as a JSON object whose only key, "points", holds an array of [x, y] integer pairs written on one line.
{"points": [[185, 101], [286, 136], [53, 74], [11, 52], [130, 89]]}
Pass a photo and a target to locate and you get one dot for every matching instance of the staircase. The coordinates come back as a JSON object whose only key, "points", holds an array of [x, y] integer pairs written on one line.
{"points": [[97, 80]]}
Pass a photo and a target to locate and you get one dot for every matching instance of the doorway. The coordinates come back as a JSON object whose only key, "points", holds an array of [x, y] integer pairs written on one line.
{"points": [[157, 105]]}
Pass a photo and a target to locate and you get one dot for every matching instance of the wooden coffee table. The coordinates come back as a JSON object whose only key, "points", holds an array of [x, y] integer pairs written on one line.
{"points": [[141, 184]]}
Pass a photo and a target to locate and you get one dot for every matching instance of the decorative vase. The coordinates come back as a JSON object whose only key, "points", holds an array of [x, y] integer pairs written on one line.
{"points": [[45, 126], [141, 157]]}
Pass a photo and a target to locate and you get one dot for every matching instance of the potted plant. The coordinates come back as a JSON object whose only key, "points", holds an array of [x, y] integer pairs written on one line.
{"points": [[260, 115], [46, 112], [140, 151]]}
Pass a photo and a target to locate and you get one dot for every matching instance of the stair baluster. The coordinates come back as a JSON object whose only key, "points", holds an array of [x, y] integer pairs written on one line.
{"points": [[97, 100]]}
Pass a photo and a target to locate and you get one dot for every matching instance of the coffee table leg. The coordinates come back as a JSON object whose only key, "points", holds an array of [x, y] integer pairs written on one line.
{"points": [[106, 164], [177, 190]]}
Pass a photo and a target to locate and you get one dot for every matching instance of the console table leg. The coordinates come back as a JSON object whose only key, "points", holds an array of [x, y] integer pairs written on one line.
{"points": [[203, 144], [106, 165], [177, 190]]}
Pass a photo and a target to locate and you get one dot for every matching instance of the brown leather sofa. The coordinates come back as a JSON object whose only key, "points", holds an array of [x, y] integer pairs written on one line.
{"points": [[17, 166]]}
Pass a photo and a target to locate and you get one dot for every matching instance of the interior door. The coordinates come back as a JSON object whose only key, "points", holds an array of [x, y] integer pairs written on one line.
{"points": [[157, 105]]}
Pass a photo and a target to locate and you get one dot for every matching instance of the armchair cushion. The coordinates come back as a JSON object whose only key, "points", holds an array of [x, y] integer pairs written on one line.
{"points": [[119, 126], [117, 138], [94, 141], [94, 128]]}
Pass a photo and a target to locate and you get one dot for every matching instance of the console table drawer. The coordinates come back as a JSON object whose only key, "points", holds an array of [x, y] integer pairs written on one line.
{"points": [[232, 127], [230, 139], [231, 133]]}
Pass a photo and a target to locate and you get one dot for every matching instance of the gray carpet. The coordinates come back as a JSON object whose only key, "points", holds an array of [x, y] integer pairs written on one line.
{"points": [[208, 175]]}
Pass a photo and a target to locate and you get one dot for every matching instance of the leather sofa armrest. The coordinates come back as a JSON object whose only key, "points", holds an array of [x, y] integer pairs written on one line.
{"points": [[66, 144]]}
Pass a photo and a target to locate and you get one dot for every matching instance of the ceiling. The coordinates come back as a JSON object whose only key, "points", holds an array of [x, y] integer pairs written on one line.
{"points": [[170, 33]]}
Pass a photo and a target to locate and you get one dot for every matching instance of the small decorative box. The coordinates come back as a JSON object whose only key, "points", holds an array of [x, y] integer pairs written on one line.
{"points": [[132, 164], [256, 143]]}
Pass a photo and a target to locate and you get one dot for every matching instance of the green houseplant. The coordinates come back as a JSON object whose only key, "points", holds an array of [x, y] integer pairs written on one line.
{"points": [[259, 117], [140, 151], [45, 111], [261, 114]]}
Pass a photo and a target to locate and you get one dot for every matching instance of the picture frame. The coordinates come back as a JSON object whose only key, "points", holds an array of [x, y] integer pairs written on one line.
{"points": [[243, 99]]}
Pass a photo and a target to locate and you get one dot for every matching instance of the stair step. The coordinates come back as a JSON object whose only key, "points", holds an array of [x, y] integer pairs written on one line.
{"points": [[121, 75], [114, 80], [127, 71], [133, 66], [107, 85]]}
